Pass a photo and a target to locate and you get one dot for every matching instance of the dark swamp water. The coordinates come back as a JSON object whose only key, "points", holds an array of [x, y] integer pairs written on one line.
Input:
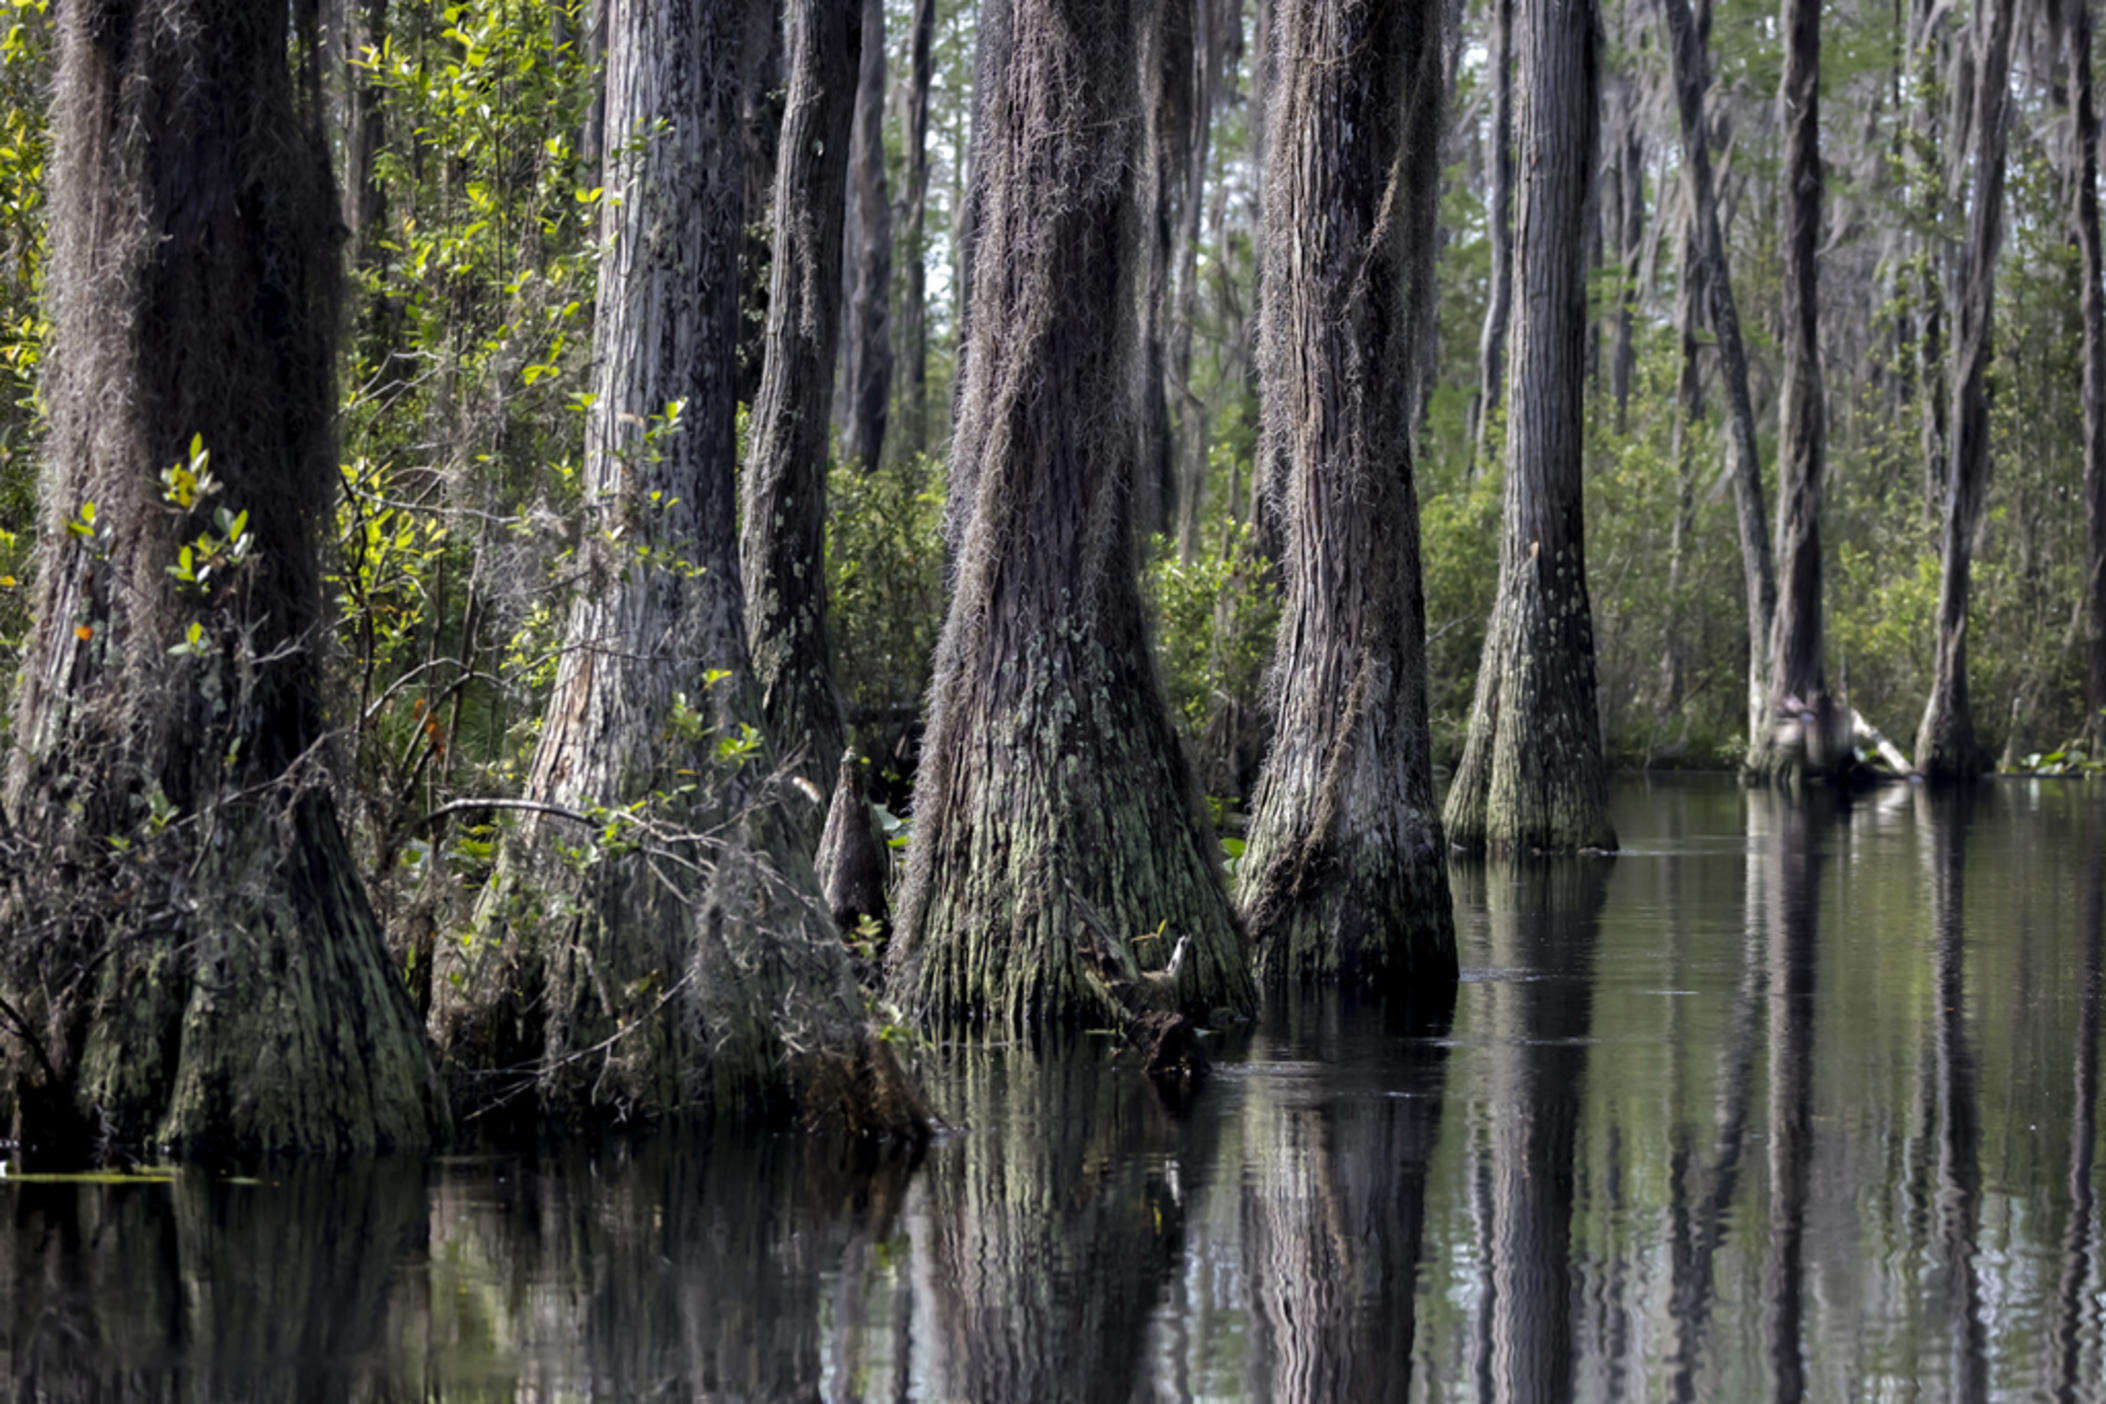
{"points": [[1776, 1104]]}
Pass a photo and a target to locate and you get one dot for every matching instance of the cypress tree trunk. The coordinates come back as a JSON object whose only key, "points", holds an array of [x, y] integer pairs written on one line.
{"points": [[1216, 27], [1946, 747], [1816, 742], [1499, 302], [1927, 21], [1054, 816], [1531, 776], [2085, 216], [365, 129], [702, 972], [782, 540], [866, 332], [1689, 419], [1345, 875], [1623, 360], [1166, 107], [1686, 40], [990, 65], [759, 27], [205, 973], [913, 307], [1268, 473]]}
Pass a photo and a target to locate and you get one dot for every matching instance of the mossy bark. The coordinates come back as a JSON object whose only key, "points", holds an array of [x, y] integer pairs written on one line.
{"points": [[672, 955], [1532, 777], [1947, 748], [782, 532], [1055, 824], [1345, 875], [187, 953]]}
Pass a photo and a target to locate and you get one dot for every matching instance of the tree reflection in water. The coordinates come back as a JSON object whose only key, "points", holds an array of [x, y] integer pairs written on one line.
{"points": [[1334, 1197], [1793, 1100]]}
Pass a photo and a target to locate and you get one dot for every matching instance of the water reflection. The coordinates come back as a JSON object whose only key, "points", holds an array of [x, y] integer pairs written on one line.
{"points": [[1786, 1102], [1334, 1202], [206, 1289]]}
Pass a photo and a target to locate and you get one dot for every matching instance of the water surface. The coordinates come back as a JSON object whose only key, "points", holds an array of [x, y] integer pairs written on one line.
{"points": [[1782, 1102]]}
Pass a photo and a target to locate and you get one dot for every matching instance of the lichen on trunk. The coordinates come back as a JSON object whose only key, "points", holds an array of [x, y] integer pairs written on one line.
{"points": [[1345, 875], [1056, 831]]}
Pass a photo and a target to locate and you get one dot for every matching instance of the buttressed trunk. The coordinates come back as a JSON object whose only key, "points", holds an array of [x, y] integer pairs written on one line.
{"points": [[1531, 776], [782, 545], [1055, 822], [189, 958], [671, 952], [1346, 870]]}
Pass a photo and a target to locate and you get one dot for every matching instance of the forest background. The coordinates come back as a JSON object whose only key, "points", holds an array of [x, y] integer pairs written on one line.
{"points": [[470, 173]]}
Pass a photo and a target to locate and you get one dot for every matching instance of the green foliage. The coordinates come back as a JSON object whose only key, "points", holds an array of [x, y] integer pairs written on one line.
{"points": [[1214, 618], [25, 150], [884, 568]]}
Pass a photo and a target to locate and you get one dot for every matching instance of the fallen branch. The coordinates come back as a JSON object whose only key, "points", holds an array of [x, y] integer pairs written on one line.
{"points": [[1870, 737]]}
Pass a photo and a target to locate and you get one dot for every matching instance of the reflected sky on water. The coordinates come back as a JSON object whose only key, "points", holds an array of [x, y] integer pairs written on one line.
{"points": [[1786, 1101]]}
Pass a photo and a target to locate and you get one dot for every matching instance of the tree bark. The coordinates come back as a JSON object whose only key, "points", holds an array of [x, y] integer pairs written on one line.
{"points": [[760, 132], [1689, 419], [1268, 473], [1217, 36], [365, 130], [1055, 820], [1499, 301], [913, 304], [1166, 116], [1532, 775], [672, 953], [2084, 214], [208, 974], [1946, 746], [1818, 743], [1927, 170], [1630, 175], [1345, 875], [866, 324], [1686, 40], [990, 72], [782, 531]]}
